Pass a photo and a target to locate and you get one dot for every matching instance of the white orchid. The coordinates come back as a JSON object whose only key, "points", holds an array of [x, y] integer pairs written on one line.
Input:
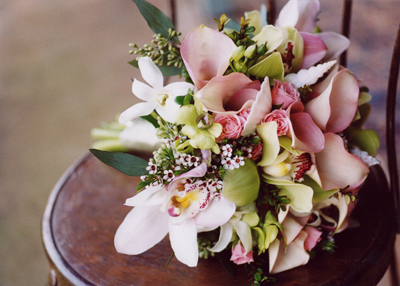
{"points": [[179, 209], [158, 97]]}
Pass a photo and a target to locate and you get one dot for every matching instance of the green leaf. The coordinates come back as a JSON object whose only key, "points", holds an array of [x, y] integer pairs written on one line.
{"points": [[151, 119], [157, 20], [241, 185], [126, 163], [165, 70], [367, 140], [179, 99]]}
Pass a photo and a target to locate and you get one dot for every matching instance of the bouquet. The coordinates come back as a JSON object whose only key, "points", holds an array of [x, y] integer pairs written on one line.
{"points": [[259, 152]]}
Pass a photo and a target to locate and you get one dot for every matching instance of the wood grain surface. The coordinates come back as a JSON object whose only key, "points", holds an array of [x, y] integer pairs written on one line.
{"points": [[87, 206]]}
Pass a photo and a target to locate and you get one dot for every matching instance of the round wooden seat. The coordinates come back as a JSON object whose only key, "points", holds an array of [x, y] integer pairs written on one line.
{"points": [[87, 205]]}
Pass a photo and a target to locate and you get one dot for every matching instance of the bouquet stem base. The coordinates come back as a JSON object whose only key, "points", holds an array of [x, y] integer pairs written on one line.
{"points": [[87, 205]]}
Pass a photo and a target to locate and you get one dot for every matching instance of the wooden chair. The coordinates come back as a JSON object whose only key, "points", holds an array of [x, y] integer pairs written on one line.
{"points": [[86, 207]]}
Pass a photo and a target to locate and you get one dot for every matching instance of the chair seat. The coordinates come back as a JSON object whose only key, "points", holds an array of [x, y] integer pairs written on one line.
{"points": [[87, 205]]}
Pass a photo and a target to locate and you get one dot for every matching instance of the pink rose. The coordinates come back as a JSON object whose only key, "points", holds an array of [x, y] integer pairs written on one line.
{"points": [[231, 126], [245, 113], [257, 151], [284, 93], [239, 255], [313, 237], [279, 116]]}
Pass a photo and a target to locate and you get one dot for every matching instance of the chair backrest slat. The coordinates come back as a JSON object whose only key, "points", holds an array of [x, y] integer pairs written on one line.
{"points": [[391, 126]]}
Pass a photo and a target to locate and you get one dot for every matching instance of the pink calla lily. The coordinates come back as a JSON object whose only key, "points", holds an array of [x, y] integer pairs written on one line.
{"points": [[229, 94], [305, 135], [284, 256], [336, 167], [314, 50], [334, 109], [206, 53]]}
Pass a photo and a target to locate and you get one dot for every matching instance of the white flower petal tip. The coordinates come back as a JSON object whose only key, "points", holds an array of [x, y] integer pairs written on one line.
{"points": [[309, 76]]}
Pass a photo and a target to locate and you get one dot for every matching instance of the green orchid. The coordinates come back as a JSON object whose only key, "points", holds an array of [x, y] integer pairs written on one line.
{"points": [[199, 126]]}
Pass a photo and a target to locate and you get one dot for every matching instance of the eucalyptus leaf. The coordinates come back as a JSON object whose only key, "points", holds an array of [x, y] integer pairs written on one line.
{"points": [[241, 185], [156, 19], [126, 163]]}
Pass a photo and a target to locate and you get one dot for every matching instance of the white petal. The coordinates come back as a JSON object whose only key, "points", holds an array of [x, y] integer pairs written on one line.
{"points": [[155, 195], [168, 111], [225, 236], [177, 88], [216, 214], [244, 233], [147, 141], [184, 242], [143, 91], [142, 228], [135, 111], [151, 73]]}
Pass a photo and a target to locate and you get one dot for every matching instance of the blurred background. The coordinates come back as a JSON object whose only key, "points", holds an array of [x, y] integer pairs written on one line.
{"points": [[64, 70]]}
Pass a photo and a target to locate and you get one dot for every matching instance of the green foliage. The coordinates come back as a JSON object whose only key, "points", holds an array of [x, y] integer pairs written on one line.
{"points": [[126, 163], [156, 19], [269, 197], [163, 50], [152, 119]]}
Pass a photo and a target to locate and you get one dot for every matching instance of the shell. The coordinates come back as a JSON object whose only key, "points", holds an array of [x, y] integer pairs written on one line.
{"points": [[309, 76]]}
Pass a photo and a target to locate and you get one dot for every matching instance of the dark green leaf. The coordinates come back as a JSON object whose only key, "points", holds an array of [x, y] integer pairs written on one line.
{"points": [[156, 19], [151, 119], [165, 70], [134, 63], [179, 99], [123, 162]]}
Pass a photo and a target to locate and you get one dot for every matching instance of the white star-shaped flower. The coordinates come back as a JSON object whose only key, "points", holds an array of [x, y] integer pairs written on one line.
{"points": [[156, 96]]}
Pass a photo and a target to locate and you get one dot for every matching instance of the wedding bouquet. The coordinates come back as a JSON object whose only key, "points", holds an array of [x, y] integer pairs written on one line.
{"points": [[261, 150]]}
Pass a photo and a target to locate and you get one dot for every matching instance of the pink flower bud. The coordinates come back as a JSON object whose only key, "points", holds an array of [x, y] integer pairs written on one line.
{"points": [[284, 93], [239, 255], [313, 237]]}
